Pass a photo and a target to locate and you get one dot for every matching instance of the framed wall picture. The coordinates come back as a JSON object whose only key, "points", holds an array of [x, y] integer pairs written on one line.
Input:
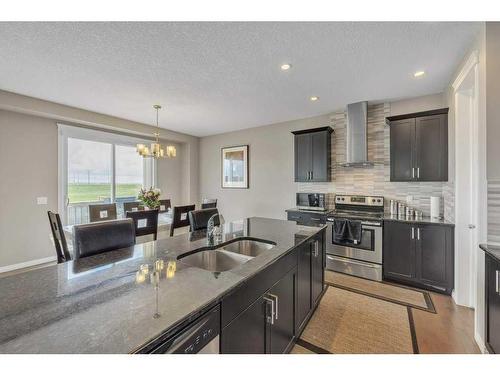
{"points": [[235, 167]]}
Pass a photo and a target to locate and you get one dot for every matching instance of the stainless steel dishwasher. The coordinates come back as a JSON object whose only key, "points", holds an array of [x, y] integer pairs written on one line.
{"points": [[199, 337]]}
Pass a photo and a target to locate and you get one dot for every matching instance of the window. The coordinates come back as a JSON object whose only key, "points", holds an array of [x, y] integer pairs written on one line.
{"points": [[99, 167]]}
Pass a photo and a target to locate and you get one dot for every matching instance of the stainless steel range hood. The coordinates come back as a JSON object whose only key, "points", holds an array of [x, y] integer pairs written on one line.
{"points": [[357, 135]]}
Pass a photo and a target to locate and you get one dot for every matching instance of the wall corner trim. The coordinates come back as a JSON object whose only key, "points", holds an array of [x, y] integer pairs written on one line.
{"points": [[469, 64]]}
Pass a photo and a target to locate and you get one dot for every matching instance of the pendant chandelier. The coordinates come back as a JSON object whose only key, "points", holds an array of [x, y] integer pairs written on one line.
{"points": [[156, 150]]}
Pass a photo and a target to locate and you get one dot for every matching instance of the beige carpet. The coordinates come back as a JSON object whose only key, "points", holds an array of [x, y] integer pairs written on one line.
{"points": [[392, 293], [347, 322]]}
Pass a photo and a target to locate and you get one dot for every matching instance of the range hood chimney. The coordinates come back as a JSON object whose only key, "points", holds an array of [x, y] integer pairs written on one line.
{"points": [[357, 136]]}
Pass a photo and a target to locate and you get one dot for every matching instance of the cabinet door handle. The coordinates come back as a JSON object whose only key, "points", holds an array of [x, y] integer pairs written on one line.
{"points": [[276, 304], [316, 248], [270, 319], [312, 175], [418, 172], [315, 219], [497, 287], [412, 233], [413, 172], [418, 234]]}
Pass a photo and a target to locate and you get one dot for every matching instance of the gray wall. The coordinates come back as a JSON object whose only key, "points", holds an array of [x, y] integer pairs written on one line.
{"points": [[28, 166], [29, 169], [272, 188]]}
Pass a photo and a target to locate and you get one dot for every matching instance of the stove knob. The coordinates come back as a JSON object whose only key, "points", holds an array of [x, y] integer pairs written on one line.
{"points": [[373, 200]]}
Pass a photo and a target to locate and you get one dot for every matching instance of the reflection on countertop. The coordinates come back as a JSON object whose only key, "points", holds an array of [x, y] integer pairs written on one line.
{"points": [[118, 301]]}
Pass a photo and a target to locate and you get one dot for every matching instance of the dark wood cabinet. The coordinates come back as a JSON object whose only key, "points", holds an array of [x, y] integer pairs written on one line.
{"points": [[492, 294], [267, 325], [399, 251], [303, 284], [317, 273], [313, 155], [306, 218], [419, 254], [247, 333], [267, 312], [310, 278], [419, 146], [282, 325]]}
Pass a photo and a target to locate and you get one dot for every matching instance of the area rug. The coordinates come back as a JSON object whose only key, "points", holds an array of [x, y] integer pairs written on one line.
{"points": [[389, 292], [346, 322]]}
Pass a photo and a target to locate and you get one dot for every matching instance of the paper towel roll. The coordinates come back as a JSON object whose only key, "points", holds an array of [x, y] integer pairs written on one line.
{"points": [[435, 207]]}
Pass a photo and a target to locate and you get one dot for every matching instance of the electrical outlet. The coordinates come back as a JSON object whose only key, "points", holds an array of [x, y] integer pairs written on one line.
{"points": [[41, 200], [409, 199]]}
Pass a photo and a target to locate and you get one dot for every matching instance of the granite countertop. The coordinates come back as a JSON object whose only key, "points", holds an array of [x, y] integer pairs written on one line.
{"points": [[493, 250], [103, 304], [295, 209], [423, 220]]}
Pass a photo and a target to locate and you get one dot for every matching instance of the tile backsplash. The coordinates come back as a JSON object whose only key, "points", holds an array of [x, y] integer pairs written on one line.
{"points": [[375, 180]]}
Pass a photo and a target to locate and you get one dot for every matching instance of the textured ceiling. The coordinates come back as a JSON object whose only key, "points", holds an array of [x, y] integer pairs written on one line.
{"points": [[218, 77]]}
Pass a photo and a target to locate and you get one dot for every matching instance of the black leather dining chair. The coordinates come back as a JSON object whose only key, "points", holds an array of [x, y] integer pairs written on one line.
{"points": [[145, 222], [132, 206], [96, 238], [164, 205], [102, 212], [60, 243], [180, 217], [209, 203], [198, 219]]}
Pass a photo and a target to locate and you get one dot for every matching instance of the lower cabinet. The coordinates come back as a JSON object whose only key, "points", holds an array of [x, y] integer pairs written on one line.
{"points": [[419, 254], [310, 278], [269, 311], [492, 283], [267, 326]]}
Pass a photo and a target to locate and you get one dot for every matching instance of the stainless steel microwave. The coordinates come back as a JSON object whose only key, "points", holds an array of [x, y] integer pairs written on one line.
{"points": [[311, 201]]}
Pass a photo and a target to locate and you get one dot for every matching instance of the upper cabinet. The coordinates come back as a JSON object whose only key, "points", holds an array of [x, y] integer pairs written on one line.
{"points": [[313, 155], [419, 146]]}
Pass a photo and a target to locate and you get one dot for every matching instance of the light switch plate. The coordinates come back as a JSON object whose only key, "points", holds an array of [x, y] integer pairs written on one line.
{"points": [[41, 200]]}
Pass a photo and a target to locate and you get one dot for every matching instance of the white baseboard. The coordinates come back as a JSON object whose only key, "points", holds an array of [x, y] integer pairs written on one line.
{"points": [[480, 343], [31, 263]]}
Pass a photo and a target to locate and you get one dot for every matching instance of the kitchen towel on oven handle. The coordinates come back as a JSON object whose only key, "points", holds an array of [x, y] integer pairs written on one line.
{"points": [[345, 230]]}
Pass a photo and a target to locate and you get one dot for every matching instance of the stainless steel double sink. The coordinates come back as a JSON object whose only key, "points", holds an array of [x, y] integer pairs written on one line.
{"points": [[226, 256]]}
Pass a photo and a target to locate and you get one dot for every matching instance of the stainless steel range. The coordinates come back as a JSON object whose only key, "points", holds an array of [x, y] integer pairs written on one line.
{"points": [[363, 258]]}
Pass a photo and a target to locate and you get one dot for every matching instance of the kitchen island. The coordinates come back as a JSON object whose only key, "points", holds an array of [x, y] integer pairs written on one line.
{"points": [[124, 301]]}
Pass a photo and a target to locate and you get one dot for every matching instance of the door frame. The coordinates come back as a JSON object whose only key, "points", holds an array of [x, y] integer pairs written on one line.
{"points": [[466, 259]]}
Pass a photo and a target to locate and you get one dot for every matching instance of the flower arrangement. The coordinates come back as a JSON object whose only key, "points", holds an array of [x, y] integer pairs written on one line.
{"points": [[150, 197]]}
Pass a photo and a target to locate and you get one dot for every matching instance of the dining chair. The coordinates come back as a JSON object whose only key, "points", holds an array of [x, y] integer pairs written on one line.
{"points": [[145, 222], [164, 205], [209, 203], [198, 219], [180, 217], [132, 206], [102, 212], [60, 243], [96, 238]]}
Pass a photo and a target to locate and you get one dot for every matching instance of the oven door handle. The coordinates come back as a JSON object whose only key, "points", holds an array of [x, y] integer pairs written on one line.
{"points": [[353, 261]]}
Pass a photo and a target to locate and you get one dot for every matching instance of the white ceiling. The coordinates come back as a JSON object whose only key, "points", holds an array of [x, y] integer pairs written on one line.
{"points": [[218, 77]]}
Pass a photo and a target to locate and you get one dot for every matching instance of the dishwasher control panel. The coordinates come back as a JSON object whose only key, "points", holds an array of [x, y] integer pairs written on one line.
{"points": [[194, 337]]}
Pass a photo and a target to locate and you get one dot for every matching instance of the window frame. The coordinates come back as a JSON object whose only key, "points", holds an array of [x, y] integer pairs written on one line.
{"points": [[72, 131]]}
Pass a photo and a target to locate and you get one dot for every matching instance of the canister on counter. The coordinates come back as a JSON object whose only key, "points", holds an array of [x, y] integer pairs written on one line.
{"points": [[394, 207]]}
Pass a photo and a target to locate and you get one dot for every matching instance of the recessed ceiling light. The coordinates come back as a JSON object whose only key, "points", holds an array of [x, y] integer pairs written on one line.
{"points": [[286, 66], [314, 98], [420, 73]]}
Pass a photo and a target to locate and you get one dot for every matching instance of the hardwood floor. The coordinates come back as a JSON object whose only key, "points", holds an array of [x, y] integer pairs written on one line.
{"points": [[450, 330]]}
